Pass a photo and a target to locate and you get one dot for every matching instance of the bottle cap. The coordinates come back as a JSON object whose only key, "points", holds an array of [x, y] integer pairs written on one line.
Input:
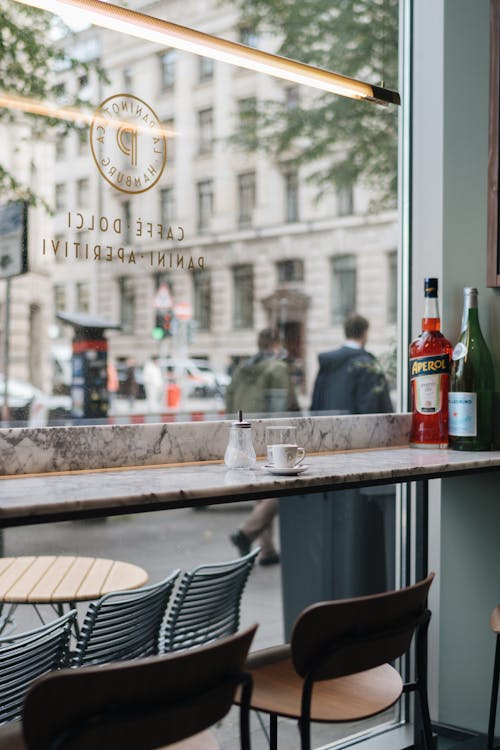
{"points": [[241, 422], [431, 287]]}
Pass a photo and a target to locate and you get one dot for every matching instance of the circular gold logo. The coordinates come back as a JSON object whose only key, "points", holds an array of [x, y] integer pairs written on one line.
{"points": [[128, 143]]}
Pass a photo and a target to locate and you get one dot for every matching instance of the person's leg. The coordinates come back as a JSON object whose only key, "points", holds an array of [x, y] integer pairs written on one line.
{"points": [[258, 525]]}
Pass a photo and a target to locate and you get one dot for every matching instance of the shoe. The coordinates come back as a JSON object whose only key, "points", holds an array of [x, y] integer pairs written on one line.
{"points": [[273, 559], [241, 541]]}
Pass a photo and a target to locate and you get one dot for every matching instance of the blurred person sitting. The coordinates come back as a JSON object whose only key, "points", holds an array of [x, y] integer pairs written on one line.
{"points": [[260, 385]]}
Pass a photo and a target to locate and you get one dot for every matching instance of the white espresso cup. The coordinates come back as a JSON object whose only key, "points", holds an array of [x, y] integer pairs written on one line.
{"points": [[286, 455]]}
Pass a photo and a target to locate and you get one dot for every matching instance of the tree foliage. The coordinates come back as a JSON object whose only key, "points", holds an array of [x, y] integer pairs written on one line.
{"points": [[346, 140], [33, 47]]}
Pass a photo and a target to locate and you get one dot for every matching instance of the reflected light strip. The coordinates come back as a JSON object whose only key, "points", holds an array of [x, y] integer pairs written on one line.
{"points": [[181, 37], [70, 114]]}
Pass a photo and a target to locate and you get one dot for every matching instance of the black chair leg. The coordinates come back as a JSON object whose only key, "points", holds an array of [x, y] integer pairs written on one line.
{"points": [[273, 732], [426, 718], [305, 734], [494, 697]]}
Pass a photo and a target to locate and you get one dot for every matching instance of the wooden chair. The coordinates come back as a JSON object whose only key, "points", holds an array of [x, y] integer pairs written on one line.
{"points": [[123, 624], [495, 626], [139, 705], [207, 604], [26, 656], [336, 667]]}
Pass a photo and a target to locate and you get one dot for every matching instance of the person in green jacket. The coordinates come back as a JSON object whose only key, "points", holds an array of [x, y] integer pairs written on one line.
{"points": [[259, 386], [262, 384]]}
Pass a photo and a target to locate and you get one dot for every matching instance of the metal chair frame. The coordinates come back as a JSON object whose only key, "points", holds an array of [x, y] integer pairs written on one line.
{"points": [[494, 697], [123, 624], [207, 604]]}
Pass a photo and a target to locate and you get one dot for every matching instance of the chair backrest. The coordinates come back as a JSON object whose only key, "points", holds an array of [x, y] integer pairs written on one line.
{"points": [[26, 656], [123, 624], [207, 604], [342, 637], [136, 705]]}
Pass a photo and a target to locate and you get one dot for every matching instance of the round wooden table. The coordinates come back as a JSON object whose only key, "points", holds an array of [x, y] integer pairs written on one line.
{"points": [[62, 580]]}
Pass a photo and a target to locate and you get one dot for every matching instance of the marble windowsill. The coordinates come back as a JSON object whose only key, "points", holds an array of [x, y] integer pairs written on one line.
{"points": [[48, 449], [81, 494]]}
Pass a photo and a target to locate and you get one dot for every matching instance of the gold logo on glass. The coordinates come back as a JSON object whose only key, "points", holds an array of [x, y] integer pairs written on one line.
{"points": [[128, 143]]}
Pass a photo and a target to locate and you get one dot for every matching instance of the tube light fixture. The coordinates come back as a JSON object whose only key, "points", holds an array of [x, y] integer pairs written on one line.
{"points": [[181, 37]]}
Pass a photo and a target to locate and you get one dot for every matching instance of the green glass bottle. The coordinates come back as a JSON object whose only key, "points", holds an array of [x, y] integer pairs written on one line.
{"points": [[472, 383]]}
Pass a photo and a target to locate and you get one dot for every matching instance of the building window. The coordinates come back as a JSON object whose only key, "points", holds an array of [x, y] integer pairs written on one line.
{"points": [[202, 294], [343, 287], [292, 196], [248, 36], [127, 304], [126, 222], [246, 108], [82, 193], [292, 98], [243, 296], [167, 206], [82, 140], [60, 195], [205, 130], [127, 80], [169, 127], [205, 203], [205, 69], [345, 200], [167, 63], [290, 270], [59, 298], [246, 198], [392, 287], [60, 146], [82, 297]]}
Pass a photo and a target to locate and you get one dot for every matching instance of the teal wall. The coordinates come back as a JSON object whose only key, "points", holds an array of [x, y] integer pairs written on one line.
{"points": [[470, 509]]}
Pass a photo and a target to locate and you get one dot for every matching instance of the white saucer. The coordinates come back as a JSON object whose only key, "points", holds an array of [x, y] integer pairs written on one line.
{"points": [[291, 472]]}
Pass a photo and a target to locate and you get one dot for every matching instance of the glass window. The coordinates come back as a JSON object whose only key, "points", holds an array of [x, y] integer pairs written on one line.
{"points": [[167, 206], [248, 35], [128, 80], [60, 196], [290, 270], [343, 299], [59, 298], [205, 130], [202, 293], [60, 146], [243, 296], [127, 304], [82, 193], [83, 297], [392, 287], [167, 69], [345, 200], [127, 219], [246, 198], [292, 97], [205, 69], [292, 196], [205, 204]]}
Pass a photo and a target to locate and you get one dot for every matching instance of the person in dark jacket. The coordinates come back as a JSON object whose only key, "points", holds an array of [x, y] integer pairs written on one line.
{"points": [[262, 384], [350, 378]]}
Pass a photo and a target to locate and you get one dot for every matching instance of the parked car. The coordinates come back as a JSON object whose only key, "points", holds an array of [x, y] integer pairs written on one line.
{"points": [[30, 406], [196, 375]]}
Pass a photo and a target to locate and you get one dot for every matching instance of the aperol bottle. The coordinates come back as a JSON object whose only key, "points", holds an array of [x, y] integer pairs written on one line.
{"points": [[429, 376]]}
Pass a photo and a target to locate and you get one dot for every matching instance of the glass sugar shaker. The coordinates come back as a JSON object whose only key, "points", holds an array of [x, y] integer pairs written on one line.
{"points": [[240, 453]]}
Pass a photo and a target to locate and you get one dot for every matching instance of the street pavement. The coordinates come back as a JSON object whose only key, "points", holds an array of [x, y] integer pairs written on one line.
{"points": [[161, 542]]}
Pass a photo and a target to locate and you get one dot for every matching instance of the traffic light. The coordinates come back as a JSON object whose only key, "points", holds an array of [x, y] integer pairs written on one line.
{"points": [[163, 324]]}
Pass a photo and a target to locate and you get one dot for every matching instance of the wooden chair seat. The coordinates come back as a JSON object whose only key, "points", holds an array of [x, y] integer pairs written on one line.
{"points": [[11, 738], [277, 688], [495, 620]]}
